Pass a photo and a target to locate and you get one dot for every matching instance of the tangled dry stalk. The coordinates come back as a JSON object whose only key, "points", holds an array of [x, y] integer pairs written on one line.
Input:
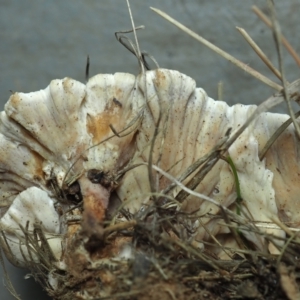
{"points": [[166, 264]]}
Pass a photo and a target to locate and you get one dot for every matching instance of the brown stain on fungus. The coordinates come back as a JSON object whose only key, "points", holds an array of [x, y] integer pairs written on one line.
{"points": [[160, 79], [93, 215], [98, 126]]}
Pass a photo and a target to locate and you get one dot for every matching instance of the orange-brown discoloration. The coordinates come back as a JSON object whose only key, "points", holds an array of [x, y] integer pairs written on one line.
{"points": [[119, 94], [68, 84], [38, 161], [95, 202], [98, 126], [160, 79], [93, 215], [15, 99]]}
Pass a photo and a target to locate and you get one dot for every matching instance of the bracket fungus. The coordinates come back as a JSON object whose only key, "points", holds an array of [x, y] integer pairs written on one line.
{"points": [[77, 159]]}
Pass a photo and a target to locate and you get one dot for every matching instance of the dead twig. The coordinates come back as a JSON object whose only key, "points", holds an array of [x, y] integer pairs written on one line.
{"points": [[285, 42], [277, 37], [219, 51], [259, 52]]}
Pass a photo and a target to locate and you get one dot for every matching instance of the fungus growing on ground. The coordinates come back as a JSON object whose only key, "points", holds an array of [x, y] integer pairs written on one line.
{"points": [[142, 186], [78, 161]]}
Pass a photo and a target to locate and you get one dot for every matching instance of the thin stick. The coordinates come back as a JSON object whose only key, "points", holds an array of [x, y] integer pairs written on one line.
{"points": [[275, 136], [277, 37], [119, 226], [183, 187], [140, 59], [219, 51], [293, 91], [207, 157], [259, 52], [285, 42], [214, 238], [212, 277]]}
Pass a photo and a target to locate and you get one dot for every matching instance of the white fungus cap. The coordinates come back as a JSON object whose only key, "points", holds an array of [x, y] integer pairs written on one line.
{"points": [[54, 137]]}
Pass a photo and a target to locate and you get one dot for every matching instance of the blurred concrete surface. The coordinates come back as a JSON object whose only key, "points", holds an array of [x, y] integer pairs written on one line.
{"points": [[42, 40]]}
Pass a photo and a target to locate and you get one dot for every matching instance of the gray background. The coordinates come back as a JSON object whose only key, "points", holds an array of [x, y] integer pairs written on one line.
{"points": [[44, 40]]}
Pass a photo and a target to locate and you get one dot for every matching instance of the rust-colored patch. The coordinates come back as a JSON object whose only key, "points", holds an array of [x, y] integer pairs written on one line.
{"points": [[93, 215], [119, 93], [98, 126], [160, 79], [15, 99]]}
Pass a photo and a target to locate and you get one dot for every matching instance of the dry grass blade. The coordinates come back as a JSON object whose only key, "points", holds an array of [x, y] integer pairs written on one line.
{"points": [[284, 248], [186, 189], [119, 226], [219, 51], [277, 37], [190, 250], [285, 42], [214, 238], [206, 158], [289, 230], [293, 90], [275, 136], [155, 249], [139, 56], [197, 178], [216, 277], [259, 52]]}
